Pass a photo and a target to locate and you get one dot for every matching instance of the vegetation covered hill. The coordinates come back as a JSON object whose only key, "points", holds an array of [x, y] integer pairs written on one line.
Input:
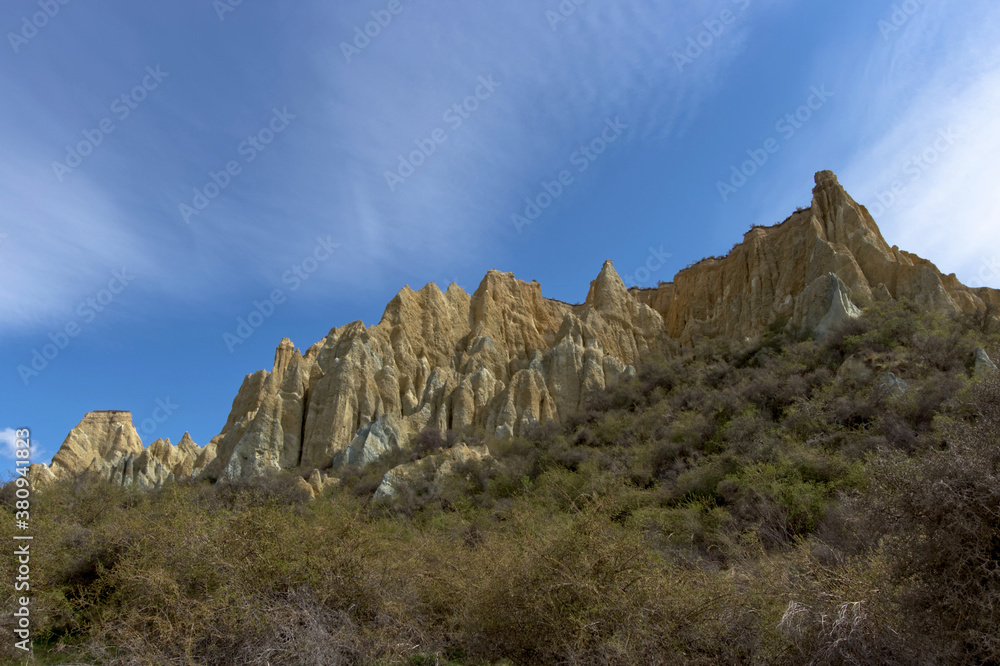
{"points": [[790, 501]]}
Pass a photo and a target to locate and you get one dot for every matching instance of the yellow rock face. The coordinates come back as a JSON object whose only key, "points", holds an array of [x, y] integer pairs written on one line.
{"points": [[106, 444], [776, 274], [505, 357], [101, 437], [501, 358]]}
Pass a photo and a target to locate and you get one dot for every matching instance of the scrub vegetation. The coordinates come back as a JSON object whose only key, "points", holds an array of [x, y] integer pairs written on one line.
{"points": [[789, 501]]}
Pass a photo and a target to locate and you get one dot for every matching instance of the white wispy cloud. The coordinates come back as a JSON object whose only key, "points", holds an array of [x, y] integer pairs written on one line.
{"points": [[326, 174], [8, 441], [64, 241], [938, 133], [8, 445], [557, 87]]}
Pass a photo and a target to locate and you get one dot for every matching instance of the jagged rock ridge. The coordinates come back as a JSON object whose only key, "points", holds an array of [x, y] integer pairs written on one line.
{"points": [[106, 443], [505, 356], [783, 273]]}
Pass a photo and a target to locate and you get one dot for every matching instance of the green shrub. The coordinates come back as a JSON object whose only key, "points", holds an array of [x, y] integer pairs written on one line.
{"points": [[936, 520], [775, 500], [734, 503]]}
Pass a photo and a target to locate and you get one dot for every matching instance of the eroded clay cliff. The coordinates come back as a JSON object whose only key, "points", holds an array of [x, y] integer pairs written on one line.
{"points": [[830, 255], [501, 358], [505, 357], [106, 443]]}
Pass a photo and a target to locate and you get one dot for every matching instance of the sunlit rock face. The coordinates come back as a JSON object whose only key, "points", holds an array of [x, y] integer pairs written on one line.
{"points": [[501, 358], [783, 274], [106, 444], [506, 357]]}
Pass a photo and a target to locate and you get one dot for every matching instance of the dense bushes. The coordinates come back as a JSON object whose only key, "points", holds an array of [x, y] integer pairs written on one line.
{"points": [[937, 520], [787, 501]]}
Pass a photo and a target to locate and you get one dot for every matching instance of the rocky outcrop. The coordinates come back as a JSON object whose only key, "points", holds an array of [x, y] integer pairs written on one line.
{"points": [[501, 358], [100, 439], [429, 473], [984, 365], [782, 275], [161, 462], [893, 385], [505, 357], [319, 481], [265, 426], [106, 444], [824, 305]]}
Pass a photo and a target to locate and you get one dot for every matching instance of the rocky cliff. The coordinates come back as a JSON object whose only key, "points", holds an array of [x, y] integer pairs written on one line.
{"points": [[506, 357], [830, 254], [106, 443], [500, 358]]}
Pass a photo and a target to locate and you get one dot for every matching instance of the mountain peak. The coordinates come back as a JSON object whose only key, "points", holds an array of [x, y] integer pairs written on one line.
{"points": [[506, 357], [608, 289], [826, 178]]}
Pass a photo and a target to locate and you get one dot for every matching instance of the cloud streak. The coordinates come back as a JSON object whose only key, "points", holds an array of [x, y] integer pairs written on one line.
{"points": [[555, 88], [560, 81], [931, 173]]}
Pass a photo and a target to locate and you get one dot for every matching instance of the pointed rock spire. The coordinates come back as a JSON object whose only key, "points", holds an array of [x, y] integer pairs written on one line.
{"points": [[608, 290], [104, 436]]}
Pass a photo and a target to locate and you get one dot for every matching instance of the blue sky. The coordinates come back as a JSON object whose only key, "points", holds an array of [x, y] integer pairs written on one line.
{"points": [[169, 169]]}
